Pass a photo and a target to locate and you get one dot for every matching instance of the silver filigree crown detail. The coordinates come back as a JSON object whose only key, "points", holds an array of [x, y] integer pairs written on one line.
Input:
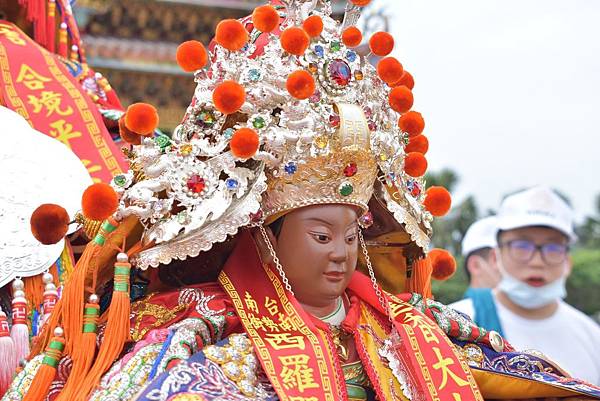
{"points": [[190, 191]]}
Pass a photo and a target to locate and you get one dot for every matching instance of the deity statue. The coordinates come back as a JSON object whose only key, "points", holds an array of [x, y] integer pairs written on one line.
{"points": [[261, 231]]}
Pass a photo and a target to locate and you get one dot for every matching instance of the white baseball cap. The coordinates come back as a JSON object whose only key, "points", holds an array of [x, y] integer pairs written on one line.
{"points": [[481, 234], [537, 206]]}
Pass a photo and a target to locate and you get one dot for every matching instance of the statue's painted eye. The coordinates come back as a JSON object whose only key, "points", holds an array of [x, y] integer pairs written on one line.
{"points": [[321, 237]]}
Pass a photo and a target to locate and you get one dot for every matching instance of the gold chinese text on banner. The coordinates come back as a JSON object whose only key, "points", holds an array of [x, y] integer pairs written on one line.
{"points": [[35, 84]]}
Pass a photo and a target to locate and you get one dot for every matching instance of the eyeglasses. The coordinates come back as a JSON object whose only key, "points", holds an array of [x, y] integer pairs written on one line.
{"points": [[523, 251]]}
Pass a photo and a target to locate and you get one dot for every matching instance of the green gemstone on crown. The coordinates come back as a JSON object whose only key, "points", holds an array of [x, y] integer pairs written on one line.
{"points": [[346, 189]]}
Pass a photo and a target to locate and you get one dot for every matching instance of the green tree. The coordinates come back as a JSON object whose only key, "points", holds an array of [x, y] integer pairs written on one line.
{"points": [[589, 231], [584, 281], [445, 178]]}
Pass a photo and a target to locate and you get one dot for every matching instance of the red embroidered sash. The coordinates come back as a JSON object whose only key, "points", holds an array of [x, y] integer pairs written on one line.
{"points": [[300, 360], [36, 85], [296, 355], [431, 369]]}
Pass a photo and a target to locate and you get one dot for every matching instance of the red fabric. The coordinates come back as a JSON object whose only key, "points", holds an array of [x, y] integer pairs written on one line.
{"points": [[290, 340], [422, 347], [38, 86], [170, 300]]}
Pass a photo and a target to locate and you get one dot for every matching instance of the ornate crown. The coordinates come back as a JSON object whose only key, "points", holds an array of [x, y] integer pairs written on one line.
{"points": [[284, 117], [341, 169]]}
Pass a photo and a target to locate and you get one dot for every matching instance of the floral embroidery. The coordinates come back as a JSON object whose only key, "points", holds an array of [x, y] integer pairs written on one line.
{"points": [[128, 376], [162, 314]]}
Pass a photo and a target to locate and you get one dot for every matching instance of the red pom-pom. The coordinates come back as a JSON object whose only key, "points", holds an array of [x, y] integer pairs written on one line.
{"points": [[191, 55], [406, 80], [127, 135], [401, 99], [443, 264], [265, 18], [244, 143], [352, 36], [389, 70], [231, 34], [415, 164], [141, 118], [381, 43], [418, 143], [412, 123], [229, 96], [294, 40], [360, 3], [437, 201], [300, 84], [99, 201], [49, 223], [313, 25]]}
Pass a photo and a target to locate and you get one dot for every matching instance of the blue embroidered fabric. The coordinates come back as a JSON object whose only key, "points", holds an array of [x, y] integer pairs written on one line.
{"points": [[534, 367], [206, 378]]}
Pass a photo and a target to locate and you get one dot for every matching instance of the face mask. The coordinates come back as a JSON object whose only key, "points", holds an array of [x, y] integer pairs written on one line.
{"points": [[530, 297]]}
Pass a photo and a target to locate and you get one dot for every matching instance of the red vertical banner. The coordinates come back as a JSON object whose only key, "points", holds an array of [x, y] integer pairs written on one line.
{"points": [[36, 85]]}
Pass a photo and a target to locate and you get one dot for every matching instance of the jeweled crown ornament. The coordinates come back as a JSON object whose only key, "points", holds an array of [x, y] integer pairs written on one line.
{"points": [[287, 114]]}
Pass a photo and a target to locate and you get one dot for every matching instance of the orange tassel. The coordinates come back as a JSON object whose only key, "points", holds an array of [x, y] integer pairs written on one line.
{"points": [[73, 299], [70, 306], [43, 337], [419, 280], [34, 288], [84, 352], [38, 390], [74, 295], [116, 333]]}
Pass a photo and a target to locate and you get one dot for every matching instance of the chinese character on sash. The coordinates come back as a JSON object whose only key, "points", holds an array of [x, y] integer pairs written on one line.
{"points": [[31, 79], [296, 373], [63, 131], [12, 35], [281, 341], [251, 303], [270, 324], [444, 364], [51, 102], [271, 306]]}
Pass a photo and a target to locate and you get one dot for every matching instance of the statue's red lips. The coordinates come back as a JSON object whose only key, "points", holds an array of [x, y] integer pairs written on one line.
{"points": [[334, 276]]}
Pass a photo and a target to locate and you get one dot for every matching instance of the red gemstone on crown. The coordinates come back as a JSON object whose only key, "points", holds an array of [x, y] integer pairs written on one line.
{"points": [[334, 120], [350, 170], [339, 72], [196, 184]]}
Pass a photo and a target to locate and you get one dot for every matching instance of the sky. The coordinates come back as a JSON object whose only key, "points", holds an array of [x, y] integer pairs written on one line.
{"points": [[510, 92]]}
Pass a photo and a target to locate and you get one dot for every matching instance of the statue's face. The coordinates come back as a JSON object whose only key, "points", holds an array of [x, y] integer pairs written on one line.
{"points": [[318, 247]]}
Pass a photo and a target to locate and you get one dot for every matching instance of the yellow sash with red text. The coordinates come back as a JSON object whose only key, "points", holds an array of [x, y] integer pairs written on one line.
{"points": [[36, 85], [301, 361]]}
